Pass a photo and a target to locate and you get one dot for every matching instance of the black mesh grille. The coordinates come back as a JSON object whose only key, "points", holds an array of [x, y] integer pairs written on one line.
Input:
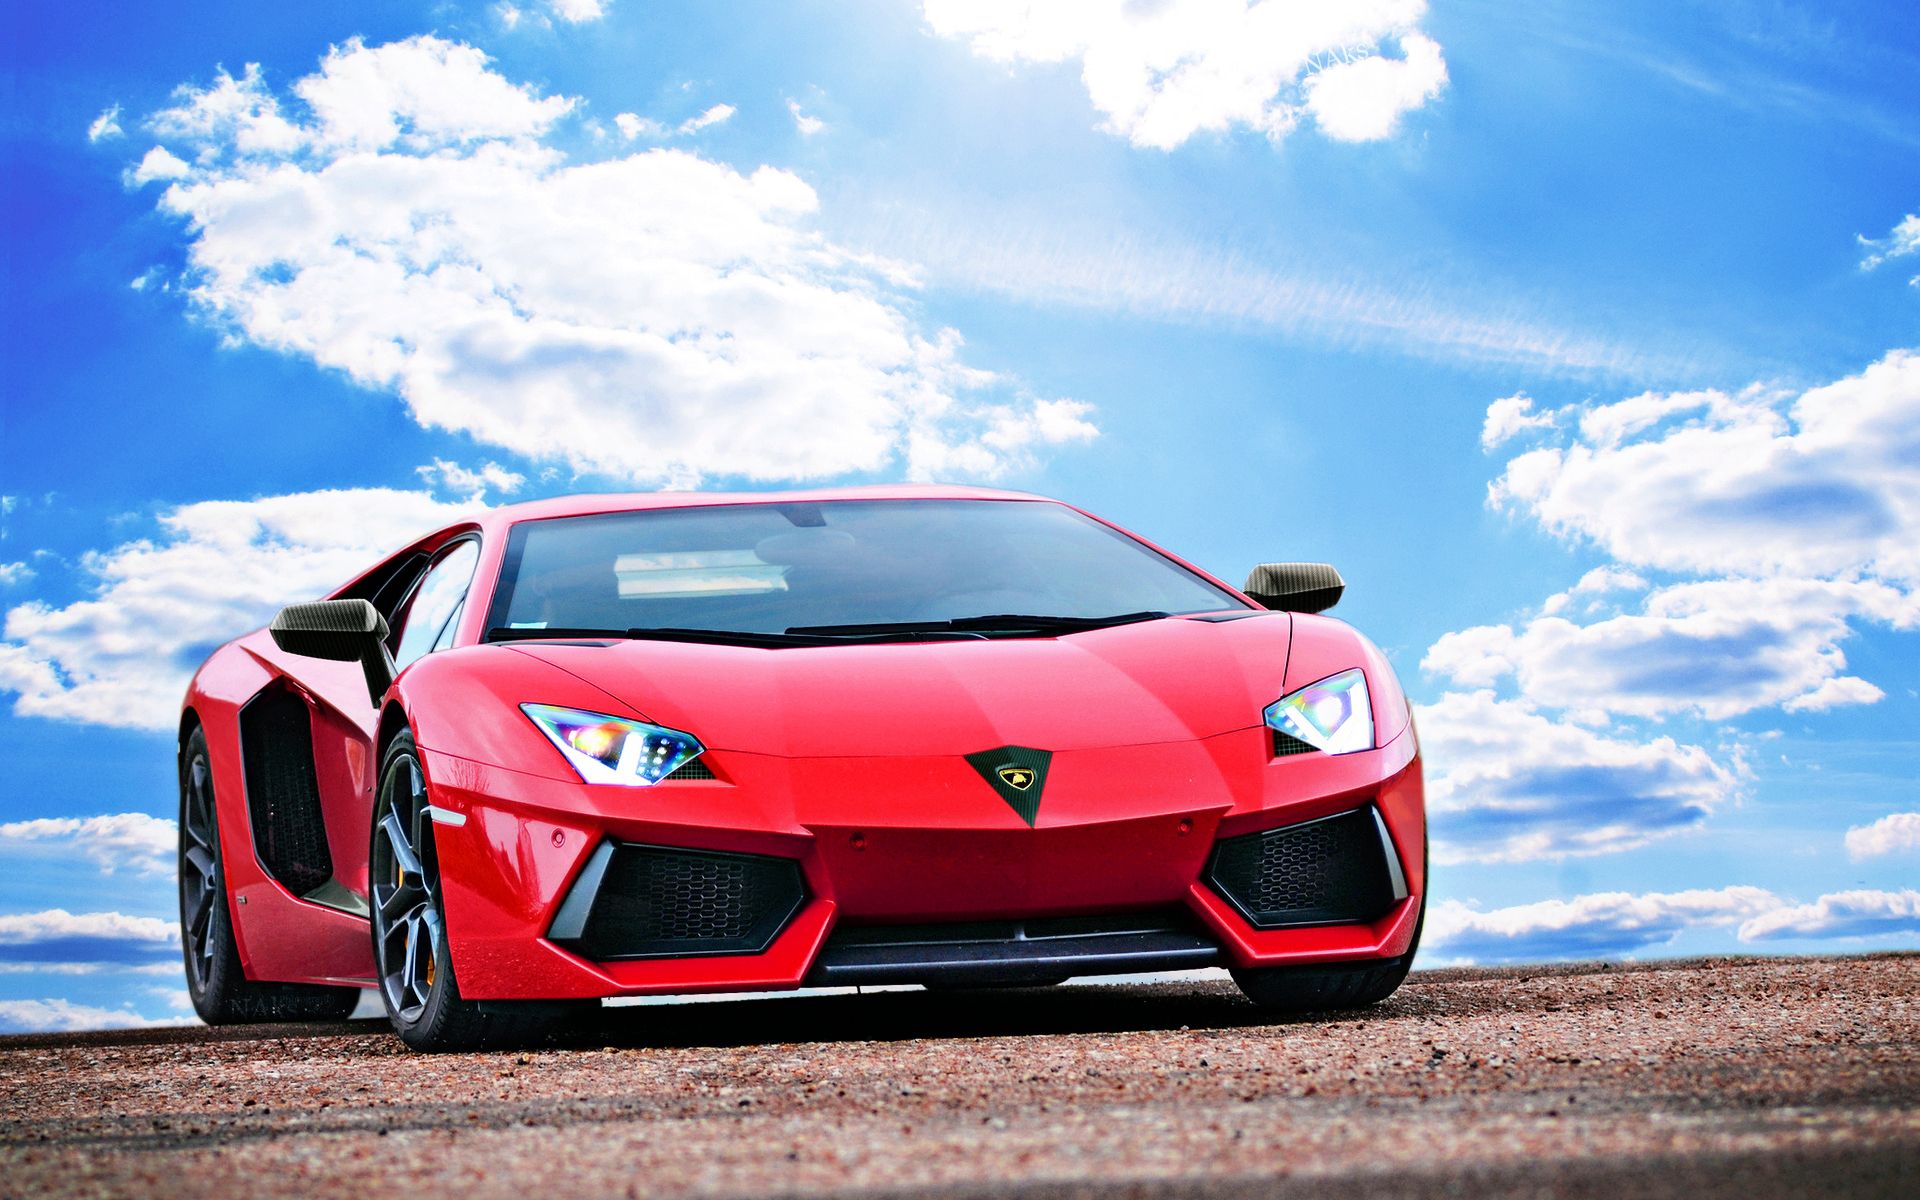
{"points": [[657, 902], [283, 794], [1285, 743], [692, 769], [1327, 872]]}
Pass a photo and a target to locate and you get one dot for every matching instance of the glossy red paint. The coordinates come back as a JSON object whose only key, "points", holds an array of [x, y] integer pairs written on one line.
{"points": [[846, 759]]}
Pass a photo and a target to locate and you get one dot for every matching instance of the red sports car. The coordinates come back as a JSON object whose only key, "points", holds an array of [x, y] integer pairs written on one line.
{"points": [[613, 746]]}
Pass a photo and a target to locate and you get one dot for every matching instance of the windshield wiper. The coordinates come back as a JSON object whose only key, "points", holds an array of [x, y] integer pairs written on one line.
{"points": [[1002, 623], [966, 629]]}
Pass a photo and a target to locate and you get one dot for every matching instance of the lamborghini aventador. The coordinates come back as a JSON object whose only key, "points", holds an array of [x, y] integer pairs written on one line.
{"points": [[608, 746]]}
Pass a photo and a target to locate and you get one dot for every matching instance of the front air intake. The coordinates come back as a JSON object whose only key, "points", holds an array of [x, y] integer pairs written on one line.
{"points": [[1340, 870], [634, 901]]}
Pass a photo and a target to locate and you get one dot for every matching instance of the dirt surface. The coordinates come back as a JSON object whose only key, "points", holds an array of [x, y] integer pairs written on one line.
{"points": [[1742, 1078]]}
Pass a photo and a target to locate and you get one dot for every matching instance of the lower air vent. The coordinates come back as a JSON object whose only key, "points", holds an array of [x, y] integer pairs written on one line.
{"points": [[661, 902], [283, 794], [1012, 953], [1285, 743], [694, 769], [1334, 871]]}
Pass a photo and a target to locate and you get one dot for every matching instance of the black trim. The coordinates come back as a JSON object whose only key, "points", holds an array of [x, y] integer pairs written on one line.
{"points": [[503, 582], [1011, 953]]}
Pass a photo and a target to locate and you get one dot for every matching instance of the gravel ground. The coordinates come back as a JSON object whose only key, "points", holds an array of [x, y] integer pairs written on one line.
{"points": [[1742, 1078]]}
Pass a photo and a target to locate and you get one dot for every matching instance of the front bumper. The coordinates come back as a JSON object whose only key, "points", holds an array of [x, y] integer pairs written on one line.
{"points": [[917, 842]]}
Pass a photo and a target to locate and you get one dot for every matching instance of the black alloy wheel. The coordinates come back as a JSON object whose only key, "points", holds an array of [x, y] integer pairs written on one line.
{"points": [[199, 866], [409, 927], [408, 937], [221, 992]]}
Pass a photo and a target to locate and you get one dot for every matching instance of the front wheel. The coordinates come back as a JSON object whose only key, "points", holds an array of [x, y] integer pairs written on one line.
{"points": [[410, 952], [217, 983]]}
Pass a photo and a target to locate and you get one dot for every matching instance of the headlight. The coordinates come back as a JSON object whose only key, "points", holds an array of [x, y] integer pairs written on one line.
{"points": [[1333, 715], [607, 749]]}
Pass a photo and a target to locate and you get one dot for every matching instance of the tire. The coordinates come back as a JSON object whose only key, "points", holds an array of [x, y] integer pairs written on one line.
{"points": [[1328, 987], [222, 994], [408, 921]]}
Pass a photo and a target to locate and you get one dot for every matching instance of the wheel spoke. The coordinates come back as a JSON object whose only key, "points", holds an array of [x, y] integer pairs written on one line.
{"points": [[200, 861], [202, 911], [400, 901], [402, 848], [409, 959]]}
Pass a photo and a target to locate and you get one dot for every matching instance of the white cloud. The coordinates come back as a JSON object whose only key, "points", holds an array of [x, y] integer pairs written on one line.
{"points": [[579, 11], [55, 924], [713, 116], [473, 485], [509, 16], [59, 942], [1843, 914], [158, 164], [1799, 516], [1819, 488], [220, 568], [1509, 418], [632, 125], [656, 317], [1608, 579], [1903, 240], [106, 125], [1163, 71], [1361, 100], [145, 844], [1507, 784], [14, 572], [808, 126], [61, 1016], [1895, 833], [1716, 647], [1587, 926], [422, 94]]}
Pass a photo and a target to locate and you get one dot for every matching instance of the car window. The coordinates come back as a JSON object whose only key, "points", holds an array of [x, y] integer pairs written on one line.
{"points": [[771, 567], [436, 604]]}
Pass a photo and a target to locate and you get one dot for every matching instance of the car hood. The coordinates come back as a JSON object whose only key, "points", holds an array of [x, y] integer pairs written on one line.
{"points": [[1169, 680]]}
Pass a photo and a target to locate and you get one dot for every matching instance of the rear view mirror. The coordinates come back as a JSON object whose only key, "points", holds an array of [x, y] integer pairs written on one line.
{"points": [[341, 631], [1295, 587]]}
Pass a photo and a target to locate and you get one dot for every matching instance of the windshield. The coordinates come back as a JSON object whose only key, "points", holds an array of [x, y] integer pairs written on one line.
{"points": [[772, 568]]}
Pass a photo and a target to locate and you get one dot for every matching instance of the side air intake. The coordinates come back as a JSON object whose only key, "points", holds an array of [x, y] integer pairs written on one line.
{"points": [[283, 793], [1340, 870], [633, 901]]}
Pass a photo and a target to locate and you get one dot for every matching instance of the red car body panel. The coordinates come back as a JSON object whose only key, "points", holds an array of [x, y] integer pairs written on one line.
{"points": [[846, 759]]}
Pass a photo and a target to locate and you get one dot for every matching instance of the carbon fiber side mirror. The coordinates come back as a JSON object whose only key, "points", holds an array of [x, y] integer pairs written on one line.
{"points": [[1295, 587], [340, 631]]}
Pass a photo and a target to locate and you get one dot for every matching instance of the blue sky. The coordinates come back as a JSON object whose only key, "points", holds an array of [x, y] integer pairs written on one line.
{"points": [[1575, 335]]}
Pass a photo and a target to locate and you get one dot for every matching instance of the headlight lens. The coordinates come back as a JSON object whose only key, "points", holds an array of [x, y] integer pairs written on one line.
{"points": [[1333, 715], [606, 749]]}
